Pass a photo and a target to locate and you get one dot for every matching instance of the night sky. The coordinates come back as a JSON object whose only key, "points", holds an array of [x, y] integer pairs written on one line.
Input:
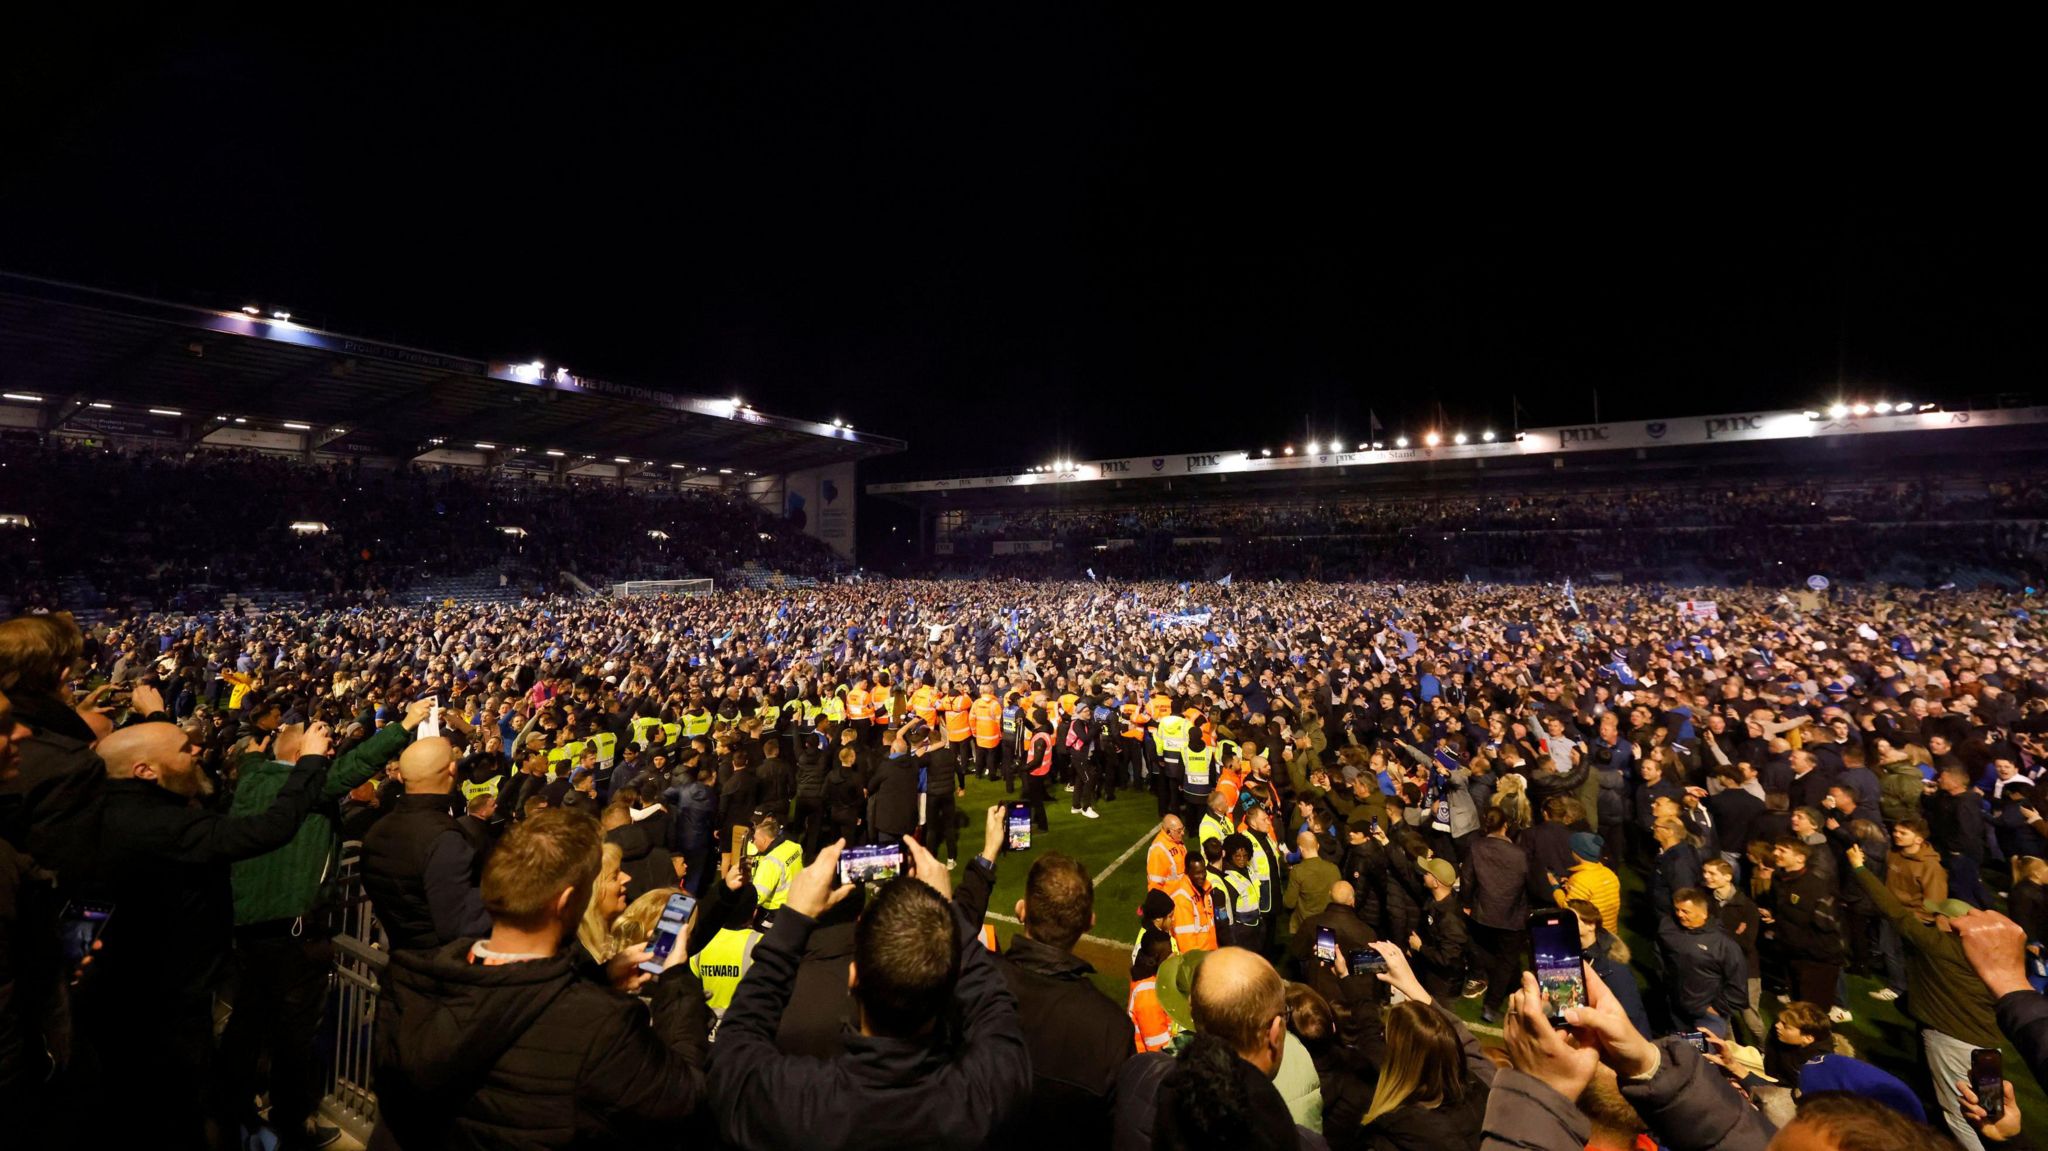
{"points": [[1007, 237]]}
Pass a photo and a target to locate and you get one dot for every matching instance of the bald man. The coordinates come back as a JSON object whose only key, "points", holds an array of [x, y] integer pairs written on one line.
{"points": [[417, 863], [163, 864], [1166, 859], [1238, 999]]}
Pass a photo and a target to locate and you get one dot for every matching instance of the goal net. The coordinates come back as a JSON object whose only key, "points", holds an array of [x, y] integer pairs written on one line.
{"points": [[662, 587]]}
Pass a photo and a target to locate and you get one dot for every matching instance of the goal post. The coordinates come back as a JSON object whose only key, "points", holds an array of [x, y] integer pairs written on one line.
{"points": [[661, 587]]}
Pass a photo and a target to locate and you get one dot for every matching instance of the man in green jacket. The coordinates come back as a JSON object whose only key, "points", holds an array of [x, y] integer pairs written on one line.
{"points": [[1944, 994], [283, 943]]}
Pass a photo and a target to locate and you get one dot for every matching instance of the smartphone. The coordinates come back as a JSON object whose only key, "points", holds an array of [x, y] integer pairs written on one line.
{"points": [[1367, 961], [1019, 823], [1987, 1079], [1559, 963], [81, 924], [668, 929], [875, 863], [1326, 946], [1698, 1039]]}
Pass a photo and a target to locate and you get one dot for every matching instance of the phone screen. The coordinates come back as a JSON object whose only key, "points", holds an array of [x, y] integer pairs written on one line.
{"points": [[1698, 1039], [1019, 824], [875, 863], [1560, 965], [669, 929], [1987, 1079], [80, 926], [1326, 946], [1367, 961]]}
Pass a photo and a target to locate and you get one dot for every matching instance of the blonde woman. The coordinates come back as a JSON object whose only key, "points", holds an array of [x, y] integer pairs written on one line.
{"points": [[1511, 795], [607, 902], [1433, 1081], [635, 925]]}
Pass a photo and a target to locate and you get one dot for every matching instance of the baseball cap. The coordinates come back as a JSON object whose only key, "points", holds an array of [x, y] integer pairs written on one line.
{"points": [[1441, 870]]}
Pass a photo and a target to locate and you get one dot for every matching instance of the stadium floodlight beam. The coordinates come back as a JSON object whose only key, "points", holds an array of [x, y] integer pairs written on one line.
{"points": [[556, 452], [281, 317], [252, 309], [105, 407], [1432, 439], [1811, 414], [1288, 450], [1882, 407], [22, 397], [621, 460], [482, 447], [1400, 441], [1487, 435], [1314, 447], [1266, 452], [1459, 438], [299, 427], [1838, 411], [837, 423], [1860, 409], [1378, 445], [172, 412]]}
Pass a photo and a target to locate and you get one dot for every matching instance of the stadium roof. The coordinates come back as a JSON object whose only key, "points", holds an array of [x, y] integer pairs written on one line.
{"points": [[91, 360], [1778, 439]]}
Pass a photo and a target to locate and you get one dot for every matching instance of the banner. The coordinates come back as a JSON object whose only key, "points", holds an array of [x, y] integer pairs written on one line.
{"points": [[819, 503], [1703, 610]]}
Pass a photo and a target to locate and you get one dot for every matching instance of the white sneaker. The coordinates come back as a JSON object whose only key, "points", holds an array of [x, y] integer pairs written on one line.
{"points": [[1073, 811], [1840, 1014], [952, 864], [1884, 995], [1090, 813]]}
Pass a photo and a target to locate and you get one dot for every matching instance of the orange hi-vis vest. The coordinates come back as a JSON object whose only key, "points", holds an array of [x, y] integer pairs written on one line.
{"points": [[885, 704], [1152, 1027], [1135, 720], [987, 716], [1194, 918], [924, 703], [1165, 863], [857, 706], [1160, 706], [958, 726]]}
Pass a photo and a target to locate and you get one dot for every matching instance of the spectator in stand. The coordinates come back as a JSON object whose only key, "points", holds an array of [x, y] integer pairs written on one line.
{"points": [[416, 863], [914, 956], [164, 866], [284, 946], [501, 1040]]}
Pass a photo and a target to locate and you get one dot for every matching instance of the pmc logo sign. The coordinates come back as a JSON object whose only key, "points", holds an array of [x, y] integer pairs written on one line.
{"points": [[1112, 466], [1591, 434], [1729, 425], [1202, 462]]}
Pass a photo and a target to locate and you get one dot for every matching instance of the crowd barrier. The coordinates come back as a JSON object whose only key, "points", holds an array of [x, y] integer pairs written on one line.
{"points": [[348, 1097]]}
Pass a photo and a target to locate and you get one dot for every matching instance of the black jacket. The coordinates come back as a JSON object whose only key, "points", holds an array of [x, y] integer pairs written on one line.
{"points": [[643, 855], [1078, 1040], [164, 867], [880, 1092], [1352, 934], [1808, 922], [2023, 1016], [1703, 968], [1734, 811], [1496, 883], [894, 786], [1955, 823], [417, 869], [532, 1054]]}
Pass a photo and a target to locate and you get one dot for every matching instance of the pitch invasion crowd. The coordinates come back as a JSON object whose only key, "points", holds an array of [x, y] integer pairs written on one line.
{"points": [[1768, 796]]}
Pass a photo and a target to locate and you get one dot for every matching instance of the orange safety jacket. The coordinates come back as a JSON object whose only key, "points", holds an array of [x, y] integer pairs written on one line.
{"points": [[1150, 1024], [987, 716]]}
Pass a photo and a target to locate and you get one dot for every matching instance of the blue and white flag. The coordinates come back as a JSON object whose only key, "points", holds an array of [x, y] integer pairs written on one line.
{"points": [[1569, 598], [1225, 581], [1091, 573]]}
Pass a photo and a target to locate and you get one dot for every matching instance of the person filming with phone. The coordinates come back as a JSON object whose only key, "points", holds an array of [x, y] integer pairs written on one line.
{"points": [[907, 1078]]}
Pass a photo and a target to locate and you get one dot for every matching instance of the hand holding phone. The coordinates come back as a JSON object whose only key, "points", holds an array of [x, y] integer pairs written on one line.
{"points": [[669, 932], [1326, 946], [1987, 1080], [1018, 824], [1558, 961]]}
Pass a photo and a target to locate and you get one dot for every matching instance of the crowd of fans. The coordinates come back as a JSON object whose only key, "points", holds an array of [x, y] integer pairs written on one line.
{"points": [[1363, 793], [1741, 529], [185, 533]]}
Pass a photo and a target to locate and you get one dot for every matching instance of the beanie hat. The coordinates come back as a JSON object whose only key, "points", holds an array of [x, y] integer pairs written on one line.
{"points": [[1587, 846]]}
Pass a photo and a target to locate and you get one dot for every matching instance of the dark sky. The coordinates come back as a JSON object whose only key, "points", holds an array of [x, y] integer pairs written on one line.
{"points": [[1006, 237]]}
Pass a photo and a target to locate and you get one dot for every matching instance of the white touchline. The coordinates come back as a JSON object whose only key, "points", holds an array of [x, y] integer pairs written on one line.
{"points": [[1143, 840]]}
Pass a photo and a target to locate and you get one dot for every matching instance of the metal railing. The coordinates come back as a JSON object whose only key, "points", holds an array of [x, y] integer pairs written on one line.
{"points": [[348, 1097]]}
